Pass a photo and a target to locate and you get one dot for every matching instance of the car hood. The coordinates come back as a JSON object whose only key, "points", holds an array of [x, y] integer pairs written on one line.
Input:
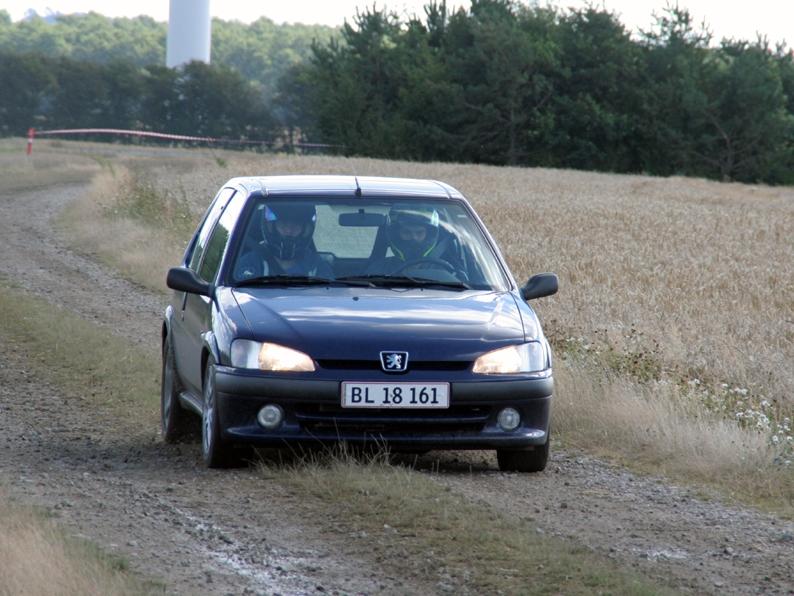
{"points": [[351, 324]]}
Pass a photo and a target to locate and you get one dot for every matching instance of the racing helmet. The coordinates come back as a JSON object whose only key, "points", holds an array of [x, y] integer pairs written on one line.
{"points": [[288, 228], [412, 231]]}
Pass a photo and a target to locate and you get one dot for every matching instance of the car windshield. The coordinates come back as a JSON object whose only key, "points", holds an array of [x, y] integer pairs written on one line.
{"points": [[375, 242]]}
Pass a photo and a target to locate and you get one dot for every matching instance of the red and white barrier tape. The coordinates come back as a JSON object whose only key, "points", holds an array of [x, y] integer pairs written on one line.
{"points": [[32, 133]]}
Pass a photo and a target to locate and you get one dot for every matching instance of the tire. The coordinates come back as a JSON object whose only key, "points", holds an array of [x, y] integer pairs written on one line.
{"points": [[215, 452], [175, 422], [525, 460]]}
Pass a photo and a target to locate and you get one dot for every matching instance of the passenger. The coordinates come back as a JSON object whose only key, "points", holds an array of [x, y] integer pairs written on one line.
{"points": [[287, 248]]}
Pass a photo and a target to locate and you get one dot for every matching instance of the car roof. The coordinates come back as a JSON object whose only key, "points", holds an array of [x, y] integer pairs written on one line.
{"points": [[345, 186]]}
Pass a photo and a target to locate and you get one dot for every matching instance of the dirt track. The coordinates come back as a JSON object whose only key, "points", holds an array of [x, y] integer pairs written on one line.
{"points": [[224, 532]]}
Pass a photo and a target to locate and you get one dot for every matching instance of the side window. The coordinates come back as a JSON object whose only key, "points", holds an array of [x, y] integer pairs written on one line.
{"points": [[216, 245], [209, 224]]}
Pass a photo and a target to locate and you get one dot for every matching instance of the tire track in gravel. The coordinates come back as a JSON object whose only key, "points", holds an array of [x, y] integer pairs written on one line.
{"points": [[209, 532], [664, 531], [35, 258]]}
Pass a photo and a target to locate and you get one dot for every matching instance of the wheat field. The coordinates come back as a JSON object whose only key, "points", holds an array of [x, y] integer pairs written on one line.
{"points": [[698, 273]]}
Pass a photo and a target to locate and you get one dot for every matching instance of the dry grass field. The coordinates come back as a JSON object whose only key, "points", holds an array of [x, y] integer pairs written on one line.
{"points": [[673, 328]]}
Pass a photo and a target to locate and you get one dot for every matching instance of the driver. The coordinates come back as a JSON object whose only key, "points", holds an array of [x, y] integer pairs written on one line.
{"points": [[287, 248], [414, 234]]}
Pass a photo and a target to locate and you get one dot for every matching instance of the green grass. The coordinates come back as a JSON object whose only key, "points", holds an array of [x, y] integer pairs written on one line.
{"points": [[414, 527], [81, 357]]}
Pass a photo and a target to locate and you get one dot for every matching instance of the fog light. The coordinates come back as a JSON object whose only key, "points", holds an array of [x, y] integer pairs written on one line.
{"points": [[509, 419], [270, 416]]}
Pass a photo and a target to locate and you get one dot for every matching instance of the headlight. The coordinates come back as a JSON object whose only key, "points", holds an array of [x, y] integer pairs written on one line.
{"points": [[525, 358], [270, 357]]}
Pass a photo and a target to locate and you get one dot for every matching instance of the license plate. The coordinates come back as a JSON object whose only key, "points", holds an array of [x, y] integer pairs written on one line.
{"points": [[395, 395]]}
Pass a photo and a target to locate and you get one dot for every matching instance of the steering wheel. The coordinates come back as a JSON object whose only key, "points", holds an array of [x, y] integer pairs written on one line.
{"points": [[445, 265]]}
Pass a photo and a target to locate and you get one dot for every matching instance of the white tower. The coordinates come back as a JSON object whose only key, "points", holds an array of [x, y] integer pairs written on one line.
{"points": [[188, 32]]}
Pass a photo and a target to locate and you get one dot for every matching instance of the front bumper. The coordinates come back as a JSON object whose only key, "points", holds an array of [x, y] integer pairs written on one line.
{"points": [[313, 413]]}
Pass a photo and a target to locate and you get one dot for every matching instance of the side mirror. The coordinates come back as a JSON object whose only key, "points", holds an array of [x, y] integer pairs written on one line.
{"points": [[185, 280], [540, 285]]}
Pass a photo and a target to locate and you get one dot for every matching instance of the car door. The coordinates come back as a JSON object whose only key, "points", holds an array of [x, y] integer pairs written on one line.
{"points": [[198, 310], [181, 341]]}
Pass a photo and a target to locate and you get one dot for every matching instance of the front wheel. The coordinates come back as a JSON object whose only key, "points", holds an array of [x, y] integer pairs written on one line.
{"points": [[215, 452], [175, 422], [525, 460]]}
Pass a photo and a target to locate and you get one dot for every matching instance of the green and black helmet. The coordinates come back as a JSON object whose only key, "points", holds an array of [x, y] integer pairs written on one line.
{"points": [[413, 231]]}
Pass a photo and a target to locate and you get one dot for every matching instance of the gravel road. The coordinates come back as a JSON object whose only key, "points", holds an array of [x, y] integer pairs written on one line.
{"points": [[220, 532]]}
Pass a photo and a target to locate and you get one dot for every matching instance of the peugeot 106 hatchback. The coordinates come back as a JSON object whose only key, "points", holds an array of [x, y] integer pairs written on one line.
{"points": [[316, 309]]}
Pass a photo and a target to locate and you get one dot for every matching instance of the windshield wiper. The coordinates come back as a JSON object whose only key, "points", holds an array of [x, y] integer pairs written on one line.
{"points": [[299, 280], [453, 285], [404, 281]]}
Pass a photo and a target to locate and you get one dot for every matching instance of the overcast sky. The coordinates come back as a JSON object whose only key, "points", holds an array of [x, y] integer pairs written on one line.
{"points": [[740, 19]]}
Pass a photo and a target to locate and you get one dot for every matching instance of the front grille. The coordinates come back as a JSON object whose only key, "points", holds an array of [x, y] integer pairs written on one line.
{"points": [[443, 365], [319, 417]]}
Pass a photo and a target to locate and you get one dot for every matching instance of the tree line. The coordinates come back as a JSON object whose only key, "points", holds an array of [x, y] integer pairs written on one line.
{"points": [[500, 82], [198, 99], [261, 51], [506, 83]]}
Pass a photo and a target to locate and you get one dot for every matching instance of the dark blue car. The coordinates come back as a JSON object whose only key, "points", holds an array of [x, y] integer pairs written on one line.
{"points": [[315, 309]]}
